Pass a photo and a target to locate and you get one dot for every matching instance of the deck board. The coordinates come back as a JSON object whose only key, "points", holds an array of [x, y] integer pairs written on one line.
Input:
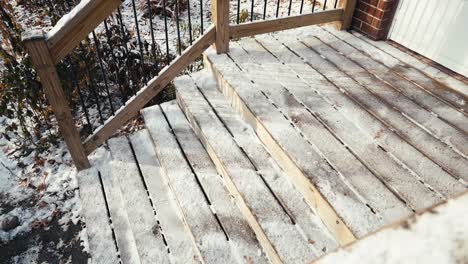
{"points": [[178, 241], [99, 232], [429, 171], [408, 108], [278, 236], [286, 147], [143, 223], [363, 182], [386, 119], [396, 178], [304, 217], [417, 93], [409, 72], [241, 237], [288, 140], [124, 236], [460, 87], [206, 234]]}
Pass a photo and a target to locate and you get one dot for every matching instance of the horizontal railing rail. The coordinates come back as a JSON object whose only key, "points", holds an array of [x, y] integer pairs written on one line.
{"points": [[66, 38]]}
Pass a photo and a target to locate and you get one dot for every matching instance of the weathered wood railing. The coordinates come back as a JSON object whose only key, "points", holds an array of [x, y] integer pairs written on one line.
{"points": [[48, 49]]}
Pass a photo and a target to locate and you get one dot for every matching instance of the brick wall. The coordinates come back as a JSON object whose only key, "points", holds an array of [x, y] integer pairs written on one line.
{"points": [[374, 17]]}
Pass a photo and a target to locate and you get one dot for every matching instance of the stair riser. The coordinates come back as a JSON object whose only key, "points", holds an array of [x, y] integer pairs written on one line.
{"points": [[312, 196]]}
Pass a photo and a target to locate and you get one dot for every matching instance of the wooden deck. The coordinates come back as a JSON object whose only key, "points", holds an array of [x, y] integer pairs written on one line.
{"points": [[280, 151]]}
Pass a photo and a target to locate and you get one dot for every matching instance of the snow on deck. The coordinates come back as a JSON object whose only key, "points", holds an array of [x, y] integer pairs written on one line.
{"points": [[310, 138]]}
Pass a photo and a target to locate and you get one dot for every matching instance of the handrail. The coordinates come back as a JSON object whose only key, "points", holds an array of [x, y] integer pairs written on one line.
{"points": [[49, 49], [154, 86], [72, 28], [261, 27]]}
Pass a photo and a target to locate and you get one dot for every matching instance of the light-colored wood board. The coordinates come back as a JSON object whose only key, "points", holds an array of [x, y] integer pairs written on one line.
{"points": [[304, 217], [144, 225], [43, 64], [292, 155], [280, 239], [410, 73], [73, 27], [154, 86], [395, 177], [241, 236], [101, 242], [123, 233], [178, 240], [266, 26], [362, 181], [456, 139], [419, 95], [220, 15], [432, 72], [412, 158], [348, 11], [205, 232], [384, 118], [456, 85]]}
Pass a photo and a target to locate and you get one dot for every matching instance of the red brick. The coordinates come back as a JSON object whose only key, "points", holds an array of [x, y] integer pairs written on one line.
{"points": [[385, 4], [363, 16]]}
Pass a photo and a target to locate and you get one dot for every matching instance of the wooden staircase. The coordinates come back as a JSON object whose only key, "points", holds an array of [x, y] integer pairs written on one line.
{"points": [[279, 151]]}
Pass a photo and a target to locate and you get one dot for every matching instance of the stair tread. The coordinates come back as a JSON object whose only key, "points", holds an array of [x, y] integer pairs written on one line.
{"points": [[178, 241], [198, 214], [233, 223], [275, 177], [144, 225], [280, 239], [355, 214], [394, 176]]}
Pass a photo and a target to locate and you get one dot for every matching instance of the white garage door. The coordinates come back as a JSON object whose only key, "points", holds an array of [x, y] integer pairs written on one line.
{"points": [[435, 29]]}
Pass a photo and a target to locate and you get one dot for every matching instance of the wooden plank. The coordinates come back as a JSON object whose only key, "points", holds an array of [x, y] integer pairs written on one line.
{"points": [[291, 155], [456, 85], [305, 218], [73, 27], [408, 72], [144, 225], [155, 85], [366, 185], [415, 113], [41, 57], [412, 158], [278, 236], [395, 177], [101, 243], [266, 26], [206, 234], [178, 240], [348, 11], [453, 162], [220, 11], [123, 234], [241, 236], [416, 93]]}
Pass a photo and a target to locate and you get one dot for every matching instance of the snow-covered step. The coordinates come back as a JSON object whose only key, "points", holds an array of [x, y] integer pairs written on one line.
{"points": [[94, 209], [270, 204], [216, 227], [362, 156]]}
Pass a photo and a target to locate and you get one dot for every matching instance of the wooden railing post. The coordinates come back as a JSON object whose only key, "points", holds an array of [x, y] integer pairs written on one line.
{"points": [[220, 15], [35, 42], [348, 10]]}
